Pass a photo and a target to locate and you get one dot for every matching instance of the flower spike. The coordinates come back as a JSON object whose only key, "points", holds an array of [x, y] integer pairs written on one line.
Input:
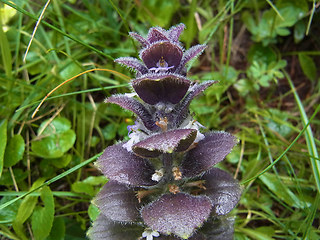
{"points": [[163, 183]]}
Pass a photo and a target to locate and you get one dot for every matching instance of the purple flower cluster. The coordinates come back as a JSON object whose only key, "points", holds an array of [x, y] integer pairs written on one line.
{"points": [[162, 183]]}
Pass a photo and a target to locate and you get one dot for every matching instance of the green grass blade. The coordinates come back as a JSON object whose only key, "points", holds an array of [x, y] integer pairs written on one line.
{"points": [[275, 9], [311, 16], [55, 193], [5, 52], [287, 149], [312, 148], [56, 29], [56, 178]]}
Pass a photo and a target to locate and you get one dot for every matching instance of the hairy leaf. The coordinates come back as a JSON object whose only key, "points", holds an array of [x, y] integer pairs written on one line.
{"points": [[178, 214], [154, 88], [222, 189], [104, 228], [120, 165], [167, 142], [136, 107], [118, 202], [210, 151]]}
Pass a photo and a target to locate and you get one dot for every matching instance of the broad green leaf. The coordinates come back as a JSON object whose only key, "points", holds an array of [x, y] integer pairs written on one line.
{"points": [[271, 24], [40, 65], [25, 210], [283, 31], [261, 54], [70, 70], [3, 142], [163, 10], [46, 169], [263, 202], [6, 13], [55, 139], [190, 32], [243, 86], [281, 190], [14, 151], [308, 66], [87, 185], [249, 22], [277, 122], [226, 76], [19, 175], [81, 187], [54, 146], [74, 230], [61, 162], [58, 125], [58, 229], [42, 217], [280, 64], [96, 180], [94, 141], [299, 31], [93, 212], [122, 129], [264, 81], [109, 131]]}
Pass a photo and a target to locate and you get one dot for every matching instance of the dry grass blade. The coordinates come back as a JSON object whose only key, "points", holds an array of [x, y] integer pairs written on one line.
{"points": [[70, 79]]}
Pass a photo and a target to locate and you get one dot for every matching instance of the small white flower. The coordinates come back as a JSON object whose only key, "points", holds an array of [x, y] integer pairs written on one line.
{"points": [[149, 234], [131, 94], [192, 124], [135, 136], [157, 175]]}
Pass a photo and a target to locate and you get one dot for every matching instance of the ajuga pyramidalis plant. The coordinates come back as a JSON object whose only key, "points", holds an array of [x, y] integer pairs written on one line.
{"points": [[162, 182]]}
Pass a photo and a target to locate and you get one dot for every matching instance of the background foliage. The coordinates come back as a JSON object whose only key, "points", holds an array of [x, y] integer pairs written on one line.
{"points": [[264, 53]]}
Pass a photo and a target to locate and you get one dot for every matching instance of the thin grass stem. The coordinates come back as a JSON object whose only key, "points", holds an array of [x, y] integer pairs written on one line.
{"points": [[312, 148]]}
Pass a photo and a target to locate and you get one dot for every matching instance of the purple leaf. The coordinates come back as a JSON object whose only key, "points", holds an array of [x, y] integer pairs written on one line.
{"points": [[179, 214], [219, 228], [196, 236], [144, 43], [118, 202], [210, 151], [175, 31], [154, 88], [134, 63], [222, 189], [104, 228], [162, 55], [124, 167], [136, 107], [156, 34], [182, 108], [190, 54], [175, 140]]}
